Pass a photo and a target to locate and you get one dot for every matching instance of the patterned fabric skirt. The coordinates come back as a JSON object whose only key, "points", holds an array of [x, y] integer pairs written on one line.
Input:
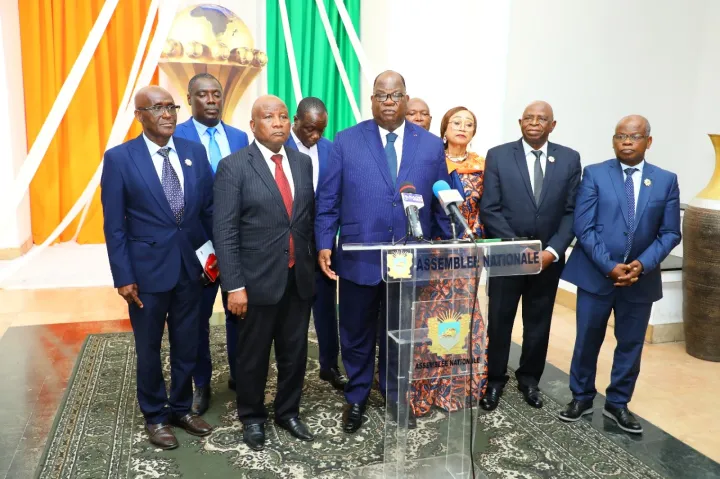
{"points": [[446, 387]]}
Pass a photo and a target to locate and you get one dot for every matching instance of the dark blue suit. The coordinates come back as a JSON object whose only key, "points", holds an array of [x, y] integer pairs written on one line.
{"points": [[323, 308], [358, 196], [508, 210], [148, 247], [601, 216], [237, 139]]}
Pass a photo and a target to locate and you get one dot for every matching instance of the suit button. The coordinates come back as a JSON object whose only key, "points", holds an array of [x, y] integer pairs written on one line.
{"points": [[537, 217], [390, 229], [287, 252], [179, 229], [625, 233], [394, 204]]}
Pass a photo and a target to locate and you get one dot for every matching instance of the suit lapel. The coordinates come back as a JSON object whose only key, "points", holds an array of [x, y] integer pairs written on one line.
{"points": [[645, 191], [549, 172], [257, 161], [297, 180], [233, 138], [190, 132], [372, 136], [291, 142], [616, 178], [522, 166], [410, 145], [141, 157], [189, 179]]}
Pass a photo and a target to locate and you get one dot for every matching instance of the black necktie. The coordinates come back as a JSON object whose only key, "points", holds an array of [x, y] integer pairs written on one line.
{"points": [[538, 176]]}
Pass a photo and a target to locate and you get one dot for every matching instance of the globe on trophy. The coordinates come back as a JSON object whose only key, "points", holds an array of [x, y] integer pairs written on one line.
{"points": [[211, 39]]}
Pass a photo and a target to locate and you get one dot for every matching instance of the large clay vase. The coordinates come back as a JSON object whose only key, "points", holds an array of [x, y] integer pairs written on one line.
{"points": [[701, 268]]}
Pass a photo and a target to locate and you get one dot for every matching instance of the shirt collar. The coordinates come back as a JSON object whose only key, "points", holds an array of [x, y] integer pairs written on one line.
{"points": [[153, 148], [529, 148], [201, 129], [638, 167], [299, 143], [267, 154], [399, 131]]}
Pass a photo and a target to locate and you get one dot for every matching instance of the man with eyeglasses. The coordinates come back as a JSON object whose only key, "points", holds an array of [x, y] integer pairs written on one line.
{"points": [[627, 221], [156, 192], [418, 112], [530, 187], [205, 97], [360, 195]]}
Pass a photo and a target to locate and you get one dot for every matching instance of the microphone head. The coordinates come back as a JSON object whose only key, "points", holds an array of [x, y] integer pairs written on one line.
{"points": [[407, 187], [439, 186]]}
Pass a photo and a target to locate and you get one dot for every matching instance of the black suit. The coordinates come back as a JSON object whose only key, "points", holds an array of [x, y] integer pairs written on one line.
{"points": [[508, 209], [252, 239]]}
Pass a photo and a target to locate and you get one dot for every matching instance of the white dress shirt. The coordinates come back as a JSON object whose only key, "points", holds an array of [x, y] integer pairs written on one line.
{"points": [[267, 154], [220, 137], [530, 159], [158, 160], [637, 178], [399, 131], [312, 153]]}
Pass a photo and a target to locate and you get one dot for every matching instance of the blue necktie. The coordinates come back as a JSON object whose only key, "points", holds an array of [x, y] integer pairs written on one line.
{"points": [[171, 186], [630, 195], [214, 148], [391, 156]]}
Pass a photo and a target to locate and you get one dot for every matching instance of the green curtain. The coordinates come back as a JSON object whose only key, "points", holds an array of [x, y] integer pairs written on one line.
{"points": [[319, 76]]}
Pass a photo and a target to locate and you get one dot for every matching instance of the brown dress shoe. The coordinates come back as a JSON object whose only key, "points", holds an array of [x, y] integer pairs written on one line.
{"points": [[162, 436], [194, 425]]}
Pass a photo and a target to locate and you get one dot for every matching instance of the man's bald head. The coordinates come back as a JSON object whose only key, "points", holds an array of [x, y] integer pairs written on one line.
{"points": [[270, 122], [389, 100], [418, 112], [537, 122], [631, 139], [156, 111]]}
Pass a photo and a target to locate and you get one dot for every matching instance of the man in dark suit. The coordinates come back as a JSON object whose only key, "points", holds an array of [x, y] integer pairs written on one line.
{"points": [[308, 127], [156, 192], [360, 195], [263, 225], [627, 221], [530, 187], [418, 112], [205, 97]]}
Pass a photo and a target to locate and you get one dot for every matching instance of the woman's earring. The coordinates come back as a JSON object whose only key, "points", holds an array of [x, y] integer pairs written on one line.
{"points": [[444, 139]]}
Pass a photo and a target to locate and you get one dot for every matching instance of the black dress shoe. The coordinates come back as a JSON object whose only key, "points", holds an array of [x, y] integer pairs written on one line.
{"points": [[532, 396], [352, 417], [201, 400], [254, 436], [334, 377], [412, 421], [296, 428], [491, 398], [231, 384], [575, 410], [623, 418]]}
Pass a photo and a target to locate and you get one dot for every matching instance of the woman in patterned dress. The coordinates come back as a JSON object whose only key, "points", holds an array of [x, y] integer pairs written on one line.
{"points": [[443, 388]]}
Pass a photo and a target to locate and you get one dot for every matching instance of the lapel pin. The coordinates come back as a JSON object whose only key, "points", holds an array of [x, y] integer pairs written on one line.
{"points": [[188, 162], [647, 182], [551, 159]]}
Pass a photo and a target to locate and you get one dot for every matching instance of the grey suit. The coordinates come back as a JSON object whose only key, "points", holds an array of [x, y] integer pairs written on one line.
{"points": [[252, 231]]}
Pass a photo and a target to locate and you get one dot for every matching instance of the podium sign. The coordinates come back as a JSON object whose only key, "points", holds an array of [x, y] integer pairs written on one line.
{"points": [[435, 347]]}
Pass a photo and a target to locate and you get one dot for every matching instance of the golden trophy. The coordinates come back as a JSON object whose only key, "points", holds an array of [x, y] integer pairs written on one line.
{"points": [[211, 39]]}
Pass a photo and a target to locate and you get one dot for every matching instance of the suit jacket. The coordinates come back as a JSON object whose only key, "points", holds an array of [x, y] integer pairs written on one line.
{"points": [[144, 242], [601, 216], [357, 195], [508, 208], [237, 139], [252, 228], [324, 147]]}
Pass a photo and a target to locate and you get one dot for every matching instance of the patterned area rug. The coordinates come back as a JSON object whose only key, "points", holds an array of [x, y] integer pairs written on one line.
{"points": [[98, 432]]}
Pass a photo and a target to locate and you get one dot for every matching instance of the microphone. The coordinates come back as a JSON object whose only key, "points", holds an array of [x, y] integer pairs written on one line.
{"points": [[450, 198], [412, 202]]}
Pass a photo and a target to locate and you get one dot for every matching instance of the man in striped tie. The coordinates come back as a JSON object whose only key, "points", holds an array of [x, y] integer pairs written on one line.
{"points": [[156, 193], [627, 221], [205, 97]]}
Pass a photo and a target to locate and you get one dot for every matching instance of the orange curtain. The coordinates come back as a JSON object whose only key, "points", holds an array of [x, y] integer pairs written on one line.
{"points": [[52, 34]]}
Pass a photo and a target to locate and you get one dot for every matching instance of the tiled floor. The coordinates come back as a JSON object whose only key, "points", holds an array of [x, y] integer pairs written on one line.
{"points": [[38, 349]]}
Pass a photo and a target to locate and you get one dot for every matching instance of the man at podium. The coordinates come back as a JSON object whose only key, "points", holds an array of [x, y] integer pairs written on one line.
{"points": [[360, 194]]}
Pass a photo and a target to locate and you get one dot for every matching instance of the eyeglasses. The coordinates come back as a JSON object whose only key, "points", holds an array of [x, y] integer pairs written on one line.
{"points": [[383, 97], [459, 125], [158, 110], [633, 138], [540, 119]]}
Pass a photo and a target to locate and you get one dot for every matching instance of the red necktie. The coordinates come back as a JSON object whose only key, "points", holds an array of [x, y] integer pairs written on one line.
{"points": [[286, 193]]}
